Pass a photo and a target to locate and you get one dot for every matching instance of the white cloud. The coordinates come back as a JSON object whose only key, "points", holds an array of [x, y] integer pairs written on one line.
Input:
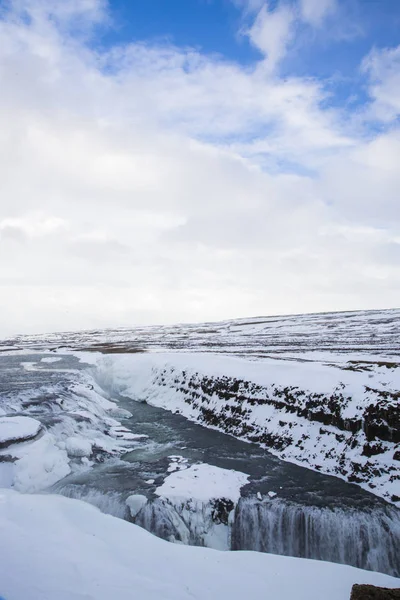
{"points": [[383, 68], [316, 11], [156, 184], [272, 32], [73, 12]]}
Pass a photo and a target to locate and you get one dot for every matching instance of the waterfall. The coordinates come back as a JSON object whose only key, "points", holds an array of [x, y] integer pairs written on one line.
{"points": [[365, 539], [188, 522], [368, 539], [110, 503], [161, 519]]}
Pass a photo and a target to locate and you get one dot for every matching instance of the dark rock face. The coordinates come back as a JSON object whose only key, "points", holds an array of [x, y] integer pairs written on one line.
{"points": [[221, 509], [370, 592]]}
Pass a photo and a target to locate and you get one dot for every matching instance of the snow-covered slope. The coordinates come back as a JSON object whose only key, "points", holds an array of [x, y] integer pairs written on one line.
{"points": [[352, 334], [338, 419], [53, 548]]}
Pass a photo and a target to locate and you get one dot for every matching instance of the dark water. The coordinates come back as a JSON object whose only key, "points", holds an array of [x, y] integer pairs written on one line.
{"points": [[313, 515]]}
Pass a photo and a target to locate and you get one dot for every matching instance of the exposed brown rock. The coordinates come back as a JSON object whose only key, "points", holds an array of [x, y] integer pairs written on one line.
{"points": [[370, 592]]}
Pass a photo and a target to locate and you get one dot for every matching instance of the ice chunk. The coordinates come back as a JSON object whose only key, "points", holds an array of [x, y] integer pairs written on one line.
{"points": [[135, 503], [51, 359], [119, 413], [78, 447], [17, 429], [39, 464]]}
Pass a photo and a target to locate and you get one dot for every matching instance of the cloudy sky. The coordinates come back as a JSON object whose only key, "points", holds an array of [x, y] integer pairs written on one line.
{"points": [[189, 160]]}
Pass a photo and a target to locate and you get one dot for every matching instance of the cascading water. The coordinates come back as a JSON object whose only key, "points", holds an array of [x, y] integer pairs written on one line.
{"points": [[366, 539], [361, 538], [109, 503], [189, 522], [161, 519]]}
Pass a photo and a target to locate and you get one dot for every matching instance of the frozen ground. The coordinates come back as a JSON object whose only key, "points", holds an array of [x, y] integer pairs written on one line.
{"points": [[53, 548], [326, 336]]}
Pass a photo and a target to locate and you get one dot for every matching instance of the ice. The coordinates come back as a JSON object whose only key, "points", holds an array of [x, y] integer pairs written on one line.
{"points": [[177, 463], [61, 549], [51, 359], [135, 503], [203, 482], [78, 447], [119, 413], [36, 464], [17, 429]]}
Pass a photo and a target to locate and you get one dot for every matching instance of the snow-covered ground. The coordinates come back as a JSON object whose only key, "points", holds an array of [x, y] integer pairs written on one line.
{"points": [[54, 548], [325, 336]]}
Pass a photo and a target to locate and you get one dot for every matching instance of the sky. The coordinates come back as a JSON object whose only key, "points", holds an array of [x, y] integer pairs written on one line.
{"points": [[168, 161]]}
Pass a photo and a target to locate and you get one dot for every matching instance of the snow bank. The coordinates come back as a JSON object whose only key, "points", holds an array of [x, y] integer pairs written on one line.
{"points": [[54, 548], [203, 482], [17, 429]]}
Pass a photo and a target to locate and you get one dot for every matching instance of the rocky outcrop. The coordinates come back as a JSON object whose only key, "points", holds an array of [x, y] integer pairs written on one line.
{"points": [[370, 592]]}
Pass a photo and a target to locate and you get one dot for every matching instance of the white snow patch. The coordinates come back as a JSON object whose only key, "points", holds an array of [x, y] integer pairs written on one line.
{"points": [[13, 429], [178, 463], [203, 482]]}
